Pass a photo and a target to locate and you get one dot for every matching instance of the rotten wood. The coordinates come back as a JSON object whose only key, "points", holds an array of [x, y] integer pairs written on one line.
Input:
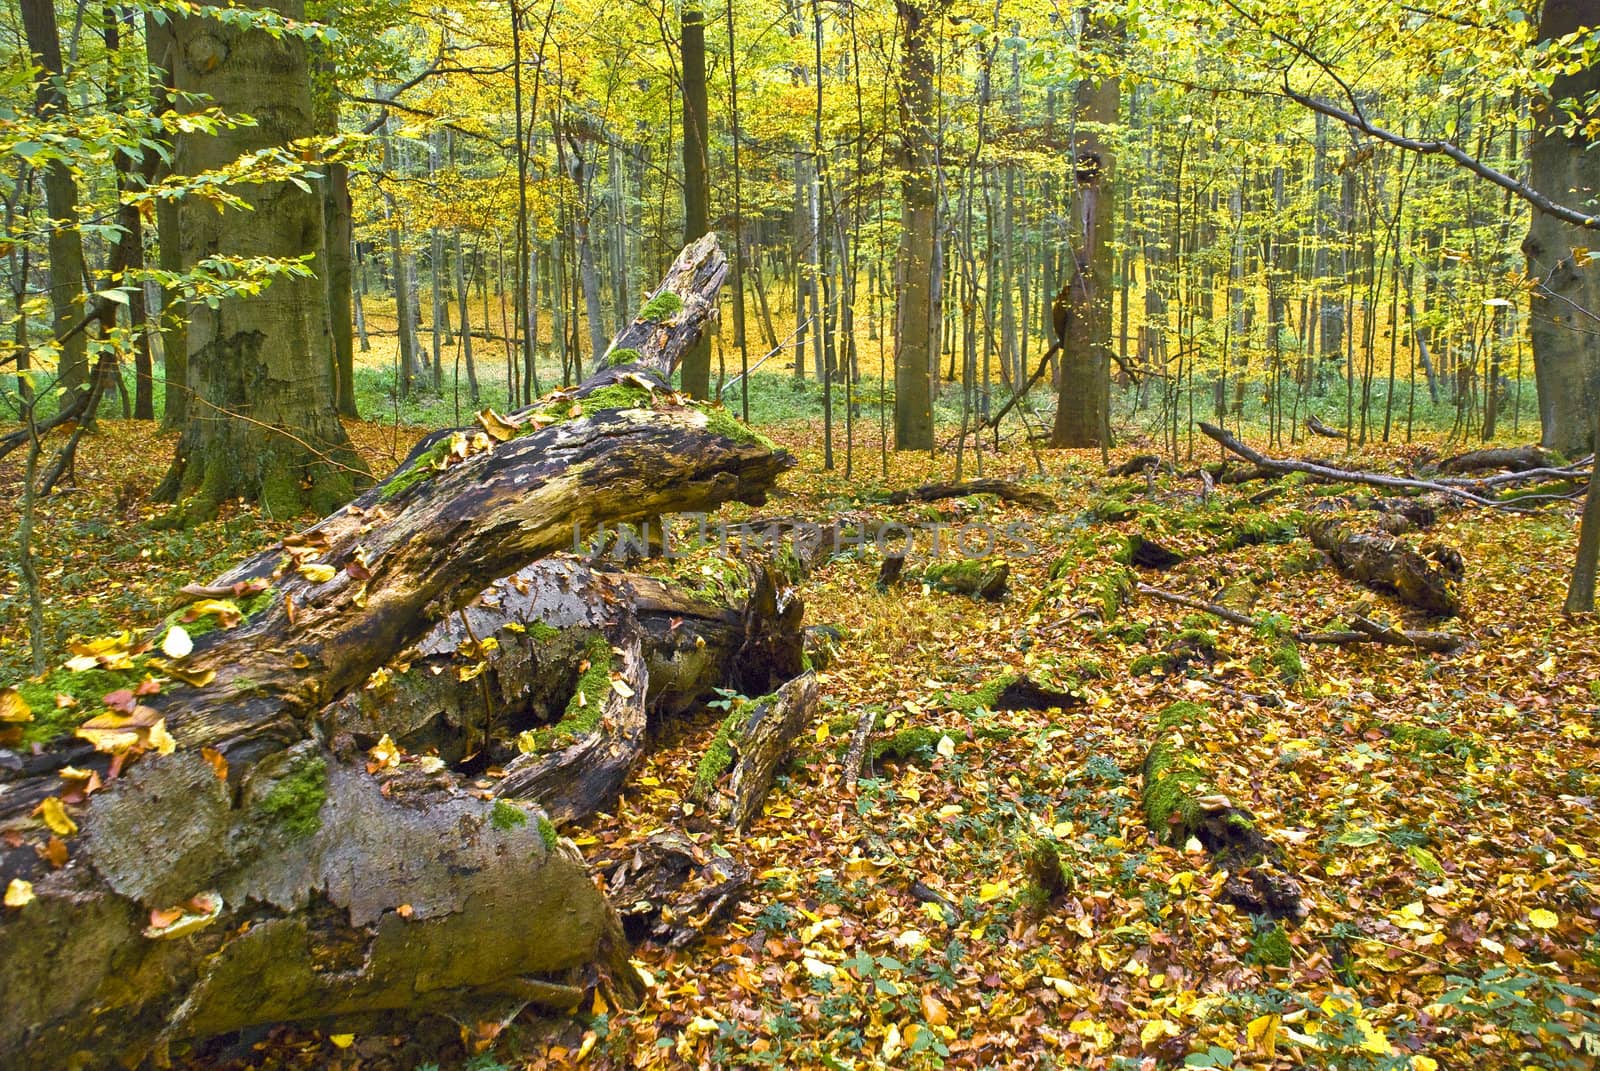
{"points": [[762, 744], [1425, 578], [670, 890], [1366, 630], [1316, 427], [1005, 490], [1499, 459]]}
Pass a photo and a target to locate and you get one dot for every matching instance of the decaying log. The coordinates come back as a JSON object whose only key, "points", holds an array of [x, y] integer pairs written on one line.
{"points": [[1366, 630], [1004, 490], [1316, 427], [1135, 465], [1327, 472], [1425, 578], [855, 756], [670, 890], [1500, 459], [762, 742], [1146, 553], [983, 579], [269, 870], [1182, 803]]}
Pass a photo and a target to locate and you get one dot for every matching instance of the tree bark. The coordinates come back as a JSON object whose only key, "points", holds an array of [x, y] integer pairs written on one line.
{"points": [[916, 335], [1564, 312], [61, 200], [695, 375], [262, 424]]}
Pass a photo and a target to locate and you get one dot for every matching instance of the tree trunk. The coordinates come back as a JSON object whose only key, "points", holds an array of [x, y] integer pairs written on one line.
{"points": [[262, 425], [309, 880], [916, 329], [61, 201], [1564, 313], [695, 375], [1082, 413]]}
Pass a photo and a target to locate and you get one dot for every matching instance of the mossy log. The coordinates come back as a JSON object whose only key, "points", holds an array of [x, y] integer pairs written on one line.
{"points": [[266, 870], [1500, 459], [760, 740], [1424, 578], [980, 578], [1182, 803], [1004, 490]]}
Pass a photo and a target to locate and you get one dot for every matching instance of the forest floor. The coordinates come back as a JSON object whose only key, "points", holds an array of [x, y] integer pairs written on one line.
{"points": [[1438, 811]]}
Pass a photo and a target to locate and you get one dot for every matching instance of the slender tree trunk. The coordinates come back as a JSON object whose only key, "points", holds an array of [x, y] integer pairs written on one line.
{"points": [[914, 355], [695, 374], [61, 200]]}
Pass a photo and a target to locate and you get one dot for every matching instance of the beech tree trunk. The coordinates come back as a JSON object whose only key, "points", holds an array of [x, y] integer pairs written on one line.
{"points": [[1565, 299], [916, 336], [696, 373], [262, 424]]}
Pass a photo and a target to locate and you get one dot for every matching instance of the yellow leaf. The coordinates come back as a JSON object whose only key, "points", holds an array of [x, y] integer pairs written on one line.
{"points": [[933, 1010], [318, 572], [1544, 920], [1156, 1029], [13, 708], [1262, 1033], [818, 969], [19, 892], [947, 747], [1424, 1063], [499, 428], [891, 1042], [162, 740], [342, 1041], [56, 817], [621, 687], [822, 732], [993, 891]]}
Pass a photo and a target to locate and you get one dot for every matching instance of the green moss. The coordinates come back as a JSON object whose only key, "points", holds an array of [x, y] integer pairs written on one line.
{"points": [[718, 756], [582, 714], [1257, 529], [984, 697], [1180, 714], [1269, 946], [614, 396], [1286, 658], [966, 576], [1428, 738], [548, 834], [1111, 509], [295, 800], [907, 743], [1197, 637], [541, 632], [1146, 663], [1109, 590], [88, 687], [625, 355], [1170, 782], [721, 422], [507, 816], [420, 470], [664, 306]]}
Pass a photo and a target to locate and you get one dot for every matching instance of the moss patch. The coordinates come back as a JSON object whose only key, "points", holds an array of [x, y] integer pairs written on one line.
{"points": [[910, 742], [294, 803], [721, 422], [625, 355], [615, 396], [542, 632], [422, 469], [718, 757], [547, 833], [87, 687], [1270, 946], [588, 699], [985, 696], [1110, 590], [507, 816], [664, 306]]}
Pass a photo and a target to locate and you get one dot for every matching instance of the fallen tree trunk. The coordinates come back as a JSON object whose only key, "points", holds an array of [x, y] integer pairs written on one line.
{"points": [[762, 741], [1004, 490], [1181, 803], [1424, 578], [1500, 459], [1366, 630], [1327, 472], [259, 862], [1316, 427]]}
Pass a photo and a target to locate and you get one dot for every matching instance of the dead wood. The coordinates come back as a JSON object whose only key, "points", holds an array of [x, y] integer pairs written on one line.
{"points": [[1316, 427], [1004, 490], [670, 890], [762, 742], [1499, 459], [1366, 631], [1424, 578]]}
